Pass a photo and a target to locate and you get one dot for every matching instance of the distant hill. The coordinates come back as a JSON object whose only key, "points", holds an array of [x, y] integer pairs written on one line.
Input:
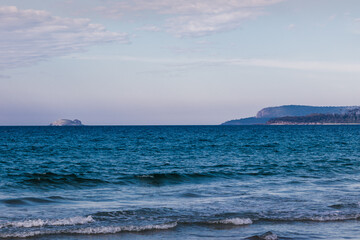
{"points": [[349, 117], [266, 114], [298, 110]]}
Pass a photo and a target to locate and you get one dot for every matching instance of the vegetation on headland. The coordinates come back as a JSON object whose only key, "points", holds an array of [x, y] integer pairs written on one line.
{"points": [[350, 117]]}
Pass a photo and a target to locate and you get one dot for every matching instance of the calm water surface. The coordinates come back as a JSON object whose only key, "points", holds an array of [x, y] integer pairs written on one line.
{"points": [[186, 182]]}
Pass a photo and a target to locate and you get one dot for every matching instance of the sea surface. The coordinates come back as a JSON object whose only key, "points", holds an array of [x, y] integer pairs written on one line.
{"points": [[180, 182]]}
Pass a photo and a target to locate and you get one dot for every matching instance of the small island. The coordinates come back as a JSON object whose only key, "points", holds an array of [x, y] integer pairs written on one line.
{"points": [[66, 122]]}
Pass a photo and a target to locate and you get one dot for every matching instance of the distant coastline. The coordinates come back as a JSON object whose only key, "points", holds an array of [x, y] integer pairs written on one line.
{"points": [[302, 115], [312, 124]]}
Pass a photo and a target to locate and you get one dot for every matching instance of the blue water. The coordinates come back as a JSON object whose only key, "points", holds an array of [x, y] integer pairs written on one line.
{"points": [[185, 182]]}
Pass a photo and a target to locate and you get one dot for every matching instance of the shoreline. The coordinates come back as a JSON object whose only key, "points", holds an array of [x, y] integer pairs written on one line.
{"points": [[312, 124]]}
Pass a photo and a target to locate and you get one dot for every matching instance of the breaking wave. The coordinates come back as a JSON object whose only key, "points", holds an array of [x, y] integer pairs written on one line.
{"points": [[111, 229], [52, 222], [54, 179], [91, 230], [319, 218], [234, 221]]}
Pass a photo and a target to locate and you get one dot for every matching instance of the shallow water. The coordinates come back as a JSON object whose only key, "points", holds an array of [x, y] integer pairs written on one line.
{"points": [[180, 182]]}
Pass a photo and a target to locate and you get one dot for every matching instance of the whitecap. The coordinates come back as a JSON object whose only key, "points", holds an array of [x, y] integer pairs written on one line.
{"points": [[334, 218], [91, 230], [48, 222], [235, 221], [117, 229]]}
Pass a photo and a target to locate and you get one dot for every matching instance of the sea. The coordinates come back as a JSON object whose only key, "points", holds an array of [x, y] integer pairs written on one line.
{"points": [[180, 182]]}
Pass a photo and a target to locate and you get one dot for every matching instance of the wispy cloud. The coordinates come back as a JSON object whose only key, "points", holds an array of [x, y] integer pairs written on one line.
{"points": [[192, 17], [332, 17], [4, 76], [267, 63], [29, 36], [150, 28], [194, 26], [299, 65], [291, 26]]}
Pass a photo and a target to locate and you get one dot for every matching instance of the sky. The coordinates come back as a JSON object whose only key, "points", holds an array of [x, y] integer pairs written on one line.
{"points": [[167, 62]]}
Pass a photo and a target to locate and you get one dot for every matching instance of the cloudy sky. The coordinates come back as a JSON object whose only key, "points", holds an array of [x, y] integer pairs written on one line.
{"points": [[135, 62]]}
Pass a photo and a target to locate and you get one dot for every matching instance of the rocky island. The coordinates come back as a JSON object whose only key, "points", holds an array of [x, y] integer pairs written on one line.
{"points": [[302, 115], [66, 122]]}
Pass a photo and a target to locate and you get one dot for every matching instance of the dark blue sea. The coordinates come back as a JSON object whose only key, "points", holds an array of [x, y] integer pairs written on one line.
{"points": [[180, 182]]}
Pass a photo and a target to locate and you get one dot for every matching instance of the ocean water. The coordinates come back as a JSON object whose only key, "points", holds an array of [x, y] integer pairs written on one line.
{"points": [[180, 182]]}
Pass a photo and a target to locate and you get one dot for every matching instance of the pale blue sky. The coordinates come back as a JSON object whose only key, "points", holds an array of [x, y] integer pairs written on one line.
{"points": [[174, 62]]}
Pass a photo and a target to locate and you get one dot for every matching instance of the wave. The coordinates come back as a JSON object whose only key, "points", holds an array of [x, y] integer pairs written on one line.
{"points": [[52, 222], [346, 205], [265, 236], [234, 221], [161, 178], [333, 218], [174, 178], [54, 179], [31, 200], [32, 228], [91, 230], [112, 229], [61, 180], [172, 215], [177, 178], [320, 218]]}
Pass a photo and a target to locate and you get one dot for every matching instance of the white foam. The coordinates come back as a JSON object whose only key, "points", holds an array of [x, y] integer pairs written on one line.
{"points": [[334, 218], [21, 235], [49, 222], [269, 236], [146, 176], [92, 230], [112, 229], [235, 221]]}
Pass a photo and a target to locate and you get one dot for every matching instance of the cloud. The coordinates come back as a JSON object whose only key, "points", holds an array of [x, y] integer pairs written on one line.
{"points": [[291, 26], [251, 62], [150, 28], [192, 17], [299, 65], [332, 17], [207, 24], [4, 76], [29, 36]]}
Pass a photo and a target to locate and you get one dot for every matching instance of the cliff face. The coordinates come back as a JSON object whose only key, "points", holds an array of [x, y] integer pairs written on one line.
{"points": [[66, 122]]}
